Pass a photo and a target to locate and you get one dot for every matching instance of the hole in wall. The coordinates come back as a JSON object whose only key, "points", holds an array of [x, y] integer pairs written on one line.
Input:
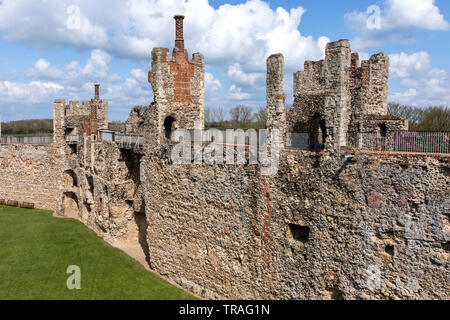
{"points": [[446, 246], [299, 233], [389, 249], [72, 177], [169, 126], [100, 205], [90, 181], [336, 294]]}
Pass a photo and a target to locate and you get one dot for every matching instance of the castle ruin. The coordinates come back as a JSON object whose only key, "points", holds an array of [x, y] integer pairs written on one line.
{"points": [[335, 222]]}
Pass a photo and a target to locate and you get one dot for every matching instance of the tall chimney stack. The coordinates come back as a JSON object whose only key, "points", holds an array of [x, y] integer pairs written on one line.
{"points": [[179, 40], [97, 92]]}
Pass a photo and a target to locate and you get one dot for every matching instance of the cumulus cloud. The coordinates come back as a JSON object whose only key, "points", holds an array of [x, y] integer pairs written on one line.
{"points": [[43, 70], [236, 74], [245, 33], [404, 65], [211, 83], [420, 84], [398, 19], [28, 93], [95, 69], [75, 81], [236, 93]]}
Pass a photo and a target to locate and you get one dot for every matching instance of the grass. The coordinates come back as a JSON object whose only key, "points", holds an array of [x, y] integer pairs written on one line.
{"points": [[36, 250]]}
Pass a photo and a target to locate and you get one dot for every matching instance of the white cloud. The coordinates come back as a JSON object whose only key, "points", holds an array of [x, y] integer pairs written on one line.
{"points": [[420, 85], [236, 74], [244, 33], [398, 20], [211, 83], [404, 65], [422, 14], [95, 69], [28, 93], [236, 93], [43, 70]]}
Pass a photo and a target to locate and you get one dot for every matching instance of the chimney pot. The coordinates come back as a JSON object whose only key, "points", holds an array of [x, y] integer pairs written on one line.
{"points": [[179, 40], [97, 91]]}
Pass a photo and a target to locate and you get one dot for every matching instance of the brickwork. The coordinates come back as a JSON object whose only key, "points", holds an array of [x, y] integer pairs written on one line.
{"points": [[178, 85]]}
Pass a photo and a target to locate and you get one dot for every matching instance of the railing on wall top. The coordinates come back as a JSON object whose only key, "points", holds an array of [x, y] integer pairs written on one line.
{"points": [[124, 141], [405, 141], [26, 140]]}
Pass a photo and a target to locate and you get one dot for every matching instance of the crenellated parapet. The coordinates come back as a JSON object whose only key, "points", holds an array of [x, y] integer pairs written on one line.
{"points": [[369, 85], [76, 120], [336, 96]]}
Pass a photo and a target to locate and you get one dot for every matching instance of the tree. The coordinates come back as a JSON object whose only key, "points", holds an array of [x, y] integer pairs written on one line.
{"points": [[260, 117], [435, 118], [220, 114], [241, 117]]}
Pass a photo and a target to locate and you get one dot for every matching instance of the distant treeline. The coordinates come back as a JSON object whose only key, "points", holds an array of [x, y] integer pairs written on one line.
{"points": [[28, 127], [238, 117], [435, 118]]}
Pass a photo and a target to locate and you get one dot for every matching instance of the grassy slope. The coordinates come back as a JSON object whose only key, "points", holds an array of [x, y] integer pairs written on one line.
{"points": [[36, 249]]}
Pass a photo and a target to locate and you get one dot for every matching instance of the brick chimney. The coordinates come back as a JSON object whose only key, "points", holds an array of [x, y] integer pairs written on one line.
{"points": [[179, 40], [97, 92]]}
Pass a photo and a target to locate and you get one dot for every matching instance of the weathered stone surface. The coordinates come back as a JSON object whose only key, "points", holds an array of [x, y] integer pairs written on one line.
{"points": [[327, 225], [30, 174]]}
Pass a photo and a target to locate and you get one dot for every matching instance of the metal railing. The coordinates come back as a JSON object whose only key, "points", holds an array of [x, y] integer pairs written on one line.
{"points": [[405, 141], [124, 141], [27, 140], [128, 141]]}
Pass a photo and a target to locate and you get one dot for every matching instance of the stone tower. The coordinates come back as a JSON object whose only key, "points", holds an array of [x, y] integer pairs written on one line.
{"points": [[178, 86], [276, 110], [76, 120]]}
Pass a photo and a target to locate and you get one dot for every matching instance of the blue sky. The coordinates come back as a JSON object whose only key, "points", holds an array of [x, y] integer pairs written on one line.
{"points": [[58, 48]]}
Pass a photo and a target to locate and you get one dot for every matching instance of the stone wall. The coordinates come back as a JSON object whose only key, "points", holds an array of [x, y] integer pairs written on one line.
{"points": [[30, 173], [331, 94], [368, 227]]}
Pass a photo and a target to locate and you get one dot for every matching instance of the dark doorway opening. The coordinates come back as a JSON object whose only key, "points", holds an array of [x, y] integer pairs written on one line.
{"points": [[169, 126]]}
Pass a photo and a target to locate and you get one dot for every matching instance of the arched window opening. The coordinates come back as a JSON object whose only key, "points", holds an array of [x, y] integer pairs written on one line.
{"points": [[169, 126]]}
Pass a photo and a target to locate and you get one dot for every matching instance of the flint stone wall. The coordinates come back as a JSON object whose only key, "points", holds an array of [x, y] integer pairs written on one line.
{"points": [[369, 227], [30, 173]]}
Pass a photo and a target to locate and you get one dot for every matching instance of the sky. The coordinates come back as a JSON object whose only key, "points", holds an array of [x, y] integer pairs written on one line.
{"points": [[58, 49]]}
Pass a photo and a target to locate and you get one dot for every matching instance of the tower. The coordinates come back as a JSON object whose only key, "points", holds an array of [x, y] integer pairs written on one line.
{"points": [[178, 85]]}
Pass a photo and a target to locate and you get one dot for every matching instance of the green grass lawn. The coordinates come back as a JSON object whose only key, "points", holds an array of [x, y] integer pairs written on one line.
{"points": [[36, 249]]}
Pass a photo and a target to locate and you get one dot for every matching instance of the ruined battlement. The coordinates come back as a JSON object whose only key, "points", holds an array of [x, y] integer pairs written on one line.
{"points": [[73, 119], [311, 80], [334, 96], [178, 85]]}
